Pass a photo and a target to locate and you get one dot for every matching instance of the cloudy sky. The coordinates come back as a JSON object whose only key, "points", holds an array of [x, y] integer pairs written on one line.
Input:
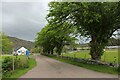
{"points": [[23, 19]]}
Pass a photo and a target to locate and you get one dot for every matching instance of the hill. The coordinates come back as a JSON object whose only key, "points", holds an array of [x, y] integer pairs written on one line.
{"points": [[17, 43], [114, 42]]}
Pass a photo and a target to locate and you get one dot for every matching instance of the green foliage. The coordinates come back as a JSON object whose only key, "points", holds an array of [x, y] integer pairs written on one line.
{"points": [[53, 36], [95, 20], [7, 65], [36, 50], [21, 71], [20, 67], [5, 44]]}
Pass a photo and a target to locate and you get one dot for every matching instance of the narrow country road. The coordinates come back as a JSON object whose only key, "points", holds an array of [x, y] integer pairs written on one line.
{"points": [[50, 68]]}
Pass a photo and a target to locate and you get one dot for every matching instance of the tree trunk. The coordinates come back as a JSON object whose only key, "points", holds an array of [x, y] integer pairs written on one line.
{"points": [[96, 49], [48, 51], [95, 56], [52, 51], [59, 48]]}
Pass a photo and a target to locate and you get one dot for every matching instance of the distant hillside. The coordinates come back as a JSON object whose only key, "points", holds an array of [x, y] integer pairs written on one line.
{"points": [[17, 43], [111, 42], [114, 42]]}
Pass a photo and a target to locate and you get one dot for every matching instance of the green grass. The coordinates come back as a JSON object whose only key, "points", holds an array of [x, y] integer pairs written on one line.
{"points": [[109, 55], [19, 72], [98, 68]]}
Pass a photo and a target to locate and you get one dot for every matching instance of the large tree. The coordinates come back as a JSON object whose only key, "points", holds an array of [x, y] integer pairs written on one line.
{"points": [[96, 20]]}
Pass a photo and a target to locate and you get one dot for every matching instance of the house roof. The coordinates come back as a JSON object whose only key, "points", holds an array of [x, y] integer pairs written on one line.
{"points": [[22, 48]]}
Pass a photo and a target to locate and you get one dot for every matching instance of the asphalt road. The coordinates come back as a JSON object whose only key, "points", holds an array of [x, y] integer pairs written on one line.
{"points": [[50, 68]]}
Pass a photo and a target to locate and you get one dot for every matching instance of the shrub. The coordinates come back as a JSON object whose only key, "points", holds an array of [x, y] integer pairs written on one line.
{"points": [[7, 66], [17, 63]]}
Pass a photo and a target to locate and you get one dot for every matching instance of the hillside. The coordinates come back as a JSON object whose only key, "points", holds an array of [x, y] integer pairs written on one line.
{"points": [[17, 43], [114, 42]]}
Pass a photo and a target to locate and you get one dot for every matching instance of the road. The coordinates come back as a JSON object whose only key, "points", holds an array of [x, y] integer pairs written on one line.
{"points": [[50, 68]]}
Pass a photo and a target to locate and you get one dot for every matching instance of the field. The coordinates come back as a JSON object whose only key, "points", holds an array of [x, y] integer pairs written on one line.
{"points": [[109, 55]]}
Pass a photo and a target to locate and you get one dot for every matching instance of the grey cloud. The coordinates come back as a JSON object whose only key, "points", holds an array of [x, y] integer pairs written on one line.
{"points": [[0, 16], [26, 0], [23, 19]]}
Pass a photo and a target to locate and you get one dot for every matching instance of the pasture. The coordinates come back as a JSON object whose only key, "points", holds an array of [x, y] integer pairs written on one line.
{"points": [[110, 55]]}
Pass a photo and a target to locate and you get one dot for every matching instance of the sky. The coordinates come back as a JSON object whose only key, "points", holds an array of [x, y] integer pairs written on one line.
{"points": [[23, 19]]}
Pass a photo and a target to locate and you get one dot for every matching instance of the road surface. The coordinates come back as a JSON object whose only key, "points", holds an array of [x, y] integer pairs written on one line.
{"points": [[50, 68]]}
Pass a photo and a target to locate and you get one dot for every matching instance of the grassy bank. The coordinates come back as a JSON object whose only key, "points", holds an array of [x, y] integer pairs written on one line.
{"points": [[21, 71], [99, 68]]}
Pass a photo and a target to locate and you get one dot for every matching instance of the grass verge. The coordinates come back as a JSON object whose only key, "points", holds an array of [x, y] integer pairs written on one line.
{"points": [[98, 68], [19, 72]]}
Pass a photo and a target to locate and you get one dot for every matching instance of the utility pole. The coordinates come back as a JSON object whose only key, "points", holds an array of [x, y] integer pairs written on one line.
{"points": [[13, 59]]}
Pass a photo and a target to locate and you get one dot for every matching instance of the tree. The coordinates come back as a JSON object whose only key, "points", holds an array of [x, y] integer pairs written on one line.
{"points": [[36, 50], [52, 36], [96, 20], [6, 44]]}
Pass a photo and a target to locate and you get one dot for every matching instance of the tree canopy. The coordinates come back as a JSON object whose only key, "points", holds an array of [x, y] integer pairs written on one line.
{"points": [[52, 36], [97, 20]]}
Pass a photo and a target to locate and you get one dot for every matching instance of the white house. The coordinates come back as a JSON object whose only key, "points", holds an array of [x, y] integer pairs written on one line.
{"points": [[21, 51]]}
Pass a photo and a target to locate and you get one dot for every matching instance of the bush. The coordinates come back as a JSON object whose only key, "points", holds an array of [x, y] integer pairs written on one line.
{"points": [[17, 63], [7, 65]]}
